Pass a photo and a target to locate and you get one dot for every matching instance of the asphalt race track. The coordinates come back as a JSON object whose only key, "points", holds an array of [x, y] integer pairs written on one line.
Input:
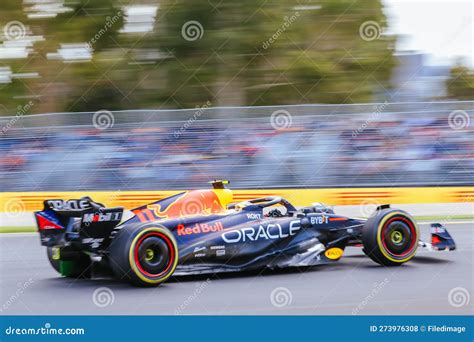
{"points": [[433, 283]]}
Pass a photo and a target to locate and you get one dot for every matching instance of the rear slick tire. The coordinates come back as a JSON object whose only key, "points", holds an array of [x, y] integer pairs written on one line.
{"points": [[145, 256]]}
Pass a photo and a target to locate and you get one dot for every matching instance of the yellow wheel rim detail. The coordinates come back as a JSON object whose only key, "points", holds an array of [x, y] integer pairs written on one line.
{"points": [[149, 254], [56, 255], [396, 236]]}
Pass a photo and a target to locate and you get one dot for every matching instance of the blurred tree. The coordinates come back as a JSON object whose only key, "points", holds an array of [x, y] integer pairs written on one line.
{"points": [[461, 83], [11, 94], [251, 52], [58, 54], [262, 53]]}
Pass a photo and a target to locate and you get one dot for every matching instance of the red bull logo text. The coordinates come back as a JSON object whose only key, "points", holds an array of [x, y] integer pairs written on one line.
{"points": [[199, 228]]}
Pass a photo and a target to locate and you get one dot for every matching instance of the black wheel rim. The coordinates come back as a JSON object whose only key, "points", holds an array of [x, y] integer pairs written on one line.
{"points": [[397, 237], [154, 255]]}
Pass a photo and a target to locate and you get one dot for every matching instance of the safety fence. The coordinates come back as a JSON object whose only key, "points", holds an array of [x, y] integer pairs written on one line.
{"points": [[306, 146]]}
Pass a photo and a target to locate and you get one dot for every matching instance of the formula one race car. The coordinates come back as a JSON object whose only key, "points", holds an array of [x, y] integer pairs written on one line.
{"points": [[199, 231]]}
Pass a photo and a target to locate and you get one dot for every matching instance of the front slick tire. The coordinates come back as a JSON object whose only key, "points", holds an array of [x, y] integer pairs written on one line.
{"points": [[390, 237], [145, 256]]}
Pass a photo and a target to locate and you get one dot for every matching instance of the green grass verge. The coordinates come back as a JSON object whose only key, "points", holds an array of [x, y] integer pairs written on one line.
{"points": [[17, 229], [419, 218]]}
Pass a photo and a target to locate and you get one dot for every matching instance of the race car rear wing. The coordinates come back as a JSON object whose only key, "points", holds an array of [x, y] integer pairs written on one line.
{"points": [[76, 221]]}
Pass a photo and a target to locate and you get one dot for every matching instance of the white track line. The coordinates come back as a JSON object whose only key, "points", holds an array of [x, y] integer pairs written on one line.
{"points": [[446, 222]]}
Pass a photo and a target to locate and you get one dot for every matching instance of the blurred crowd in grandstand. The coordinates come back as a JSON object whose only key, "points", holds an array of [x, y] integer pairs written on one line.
{"points": [[320, 151]]}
